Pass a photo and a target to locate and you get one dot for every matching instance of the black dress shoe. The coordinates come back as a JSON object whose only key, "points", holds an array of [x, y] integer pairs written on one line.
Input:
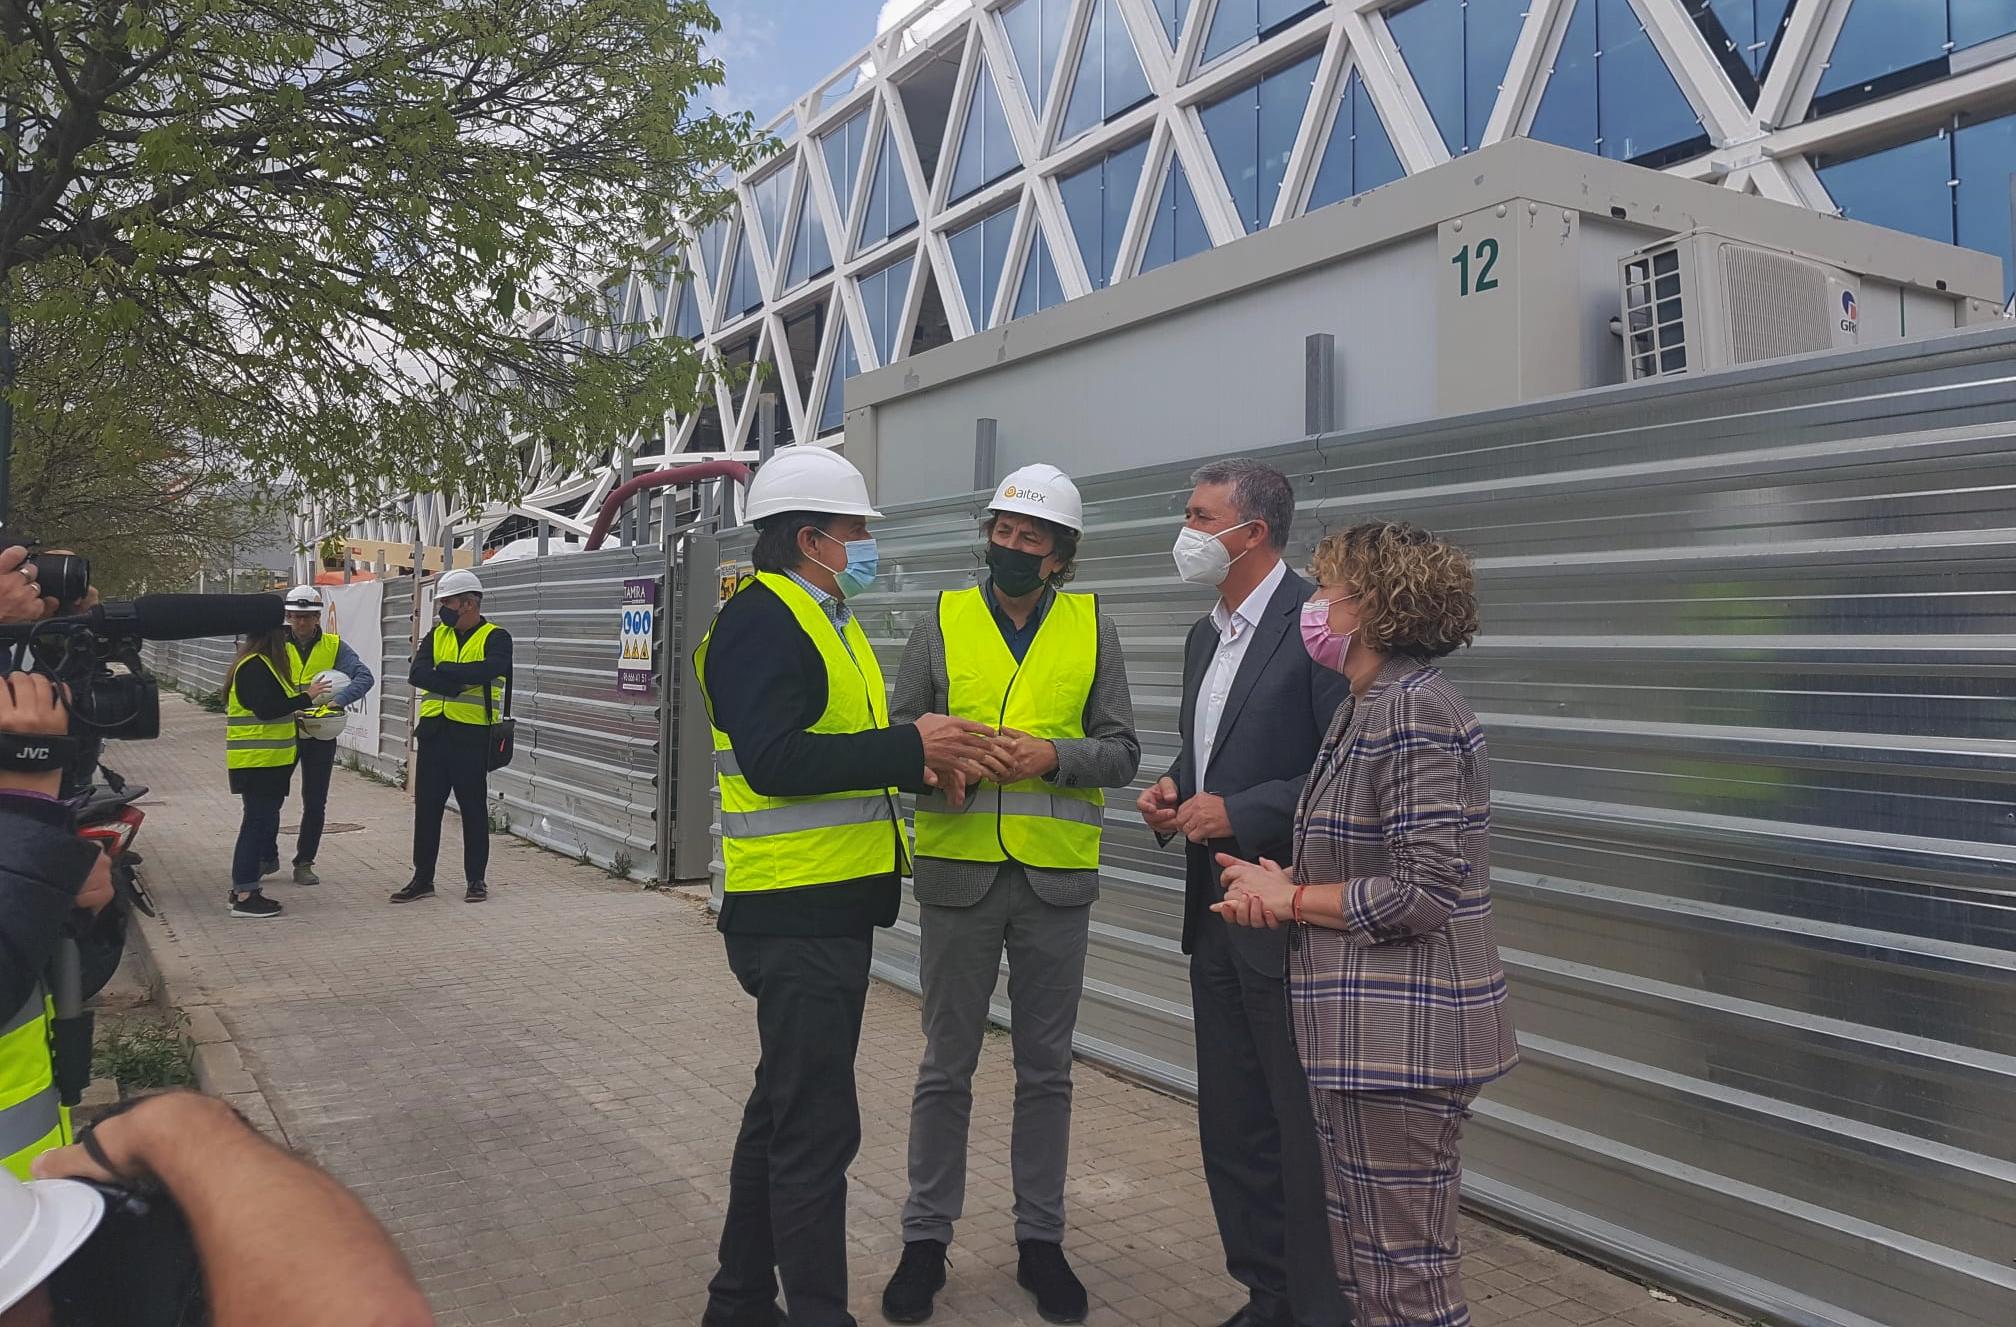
{"points": [[412, 892], [1060, 1296], [768, 1316], [919, 1278]]}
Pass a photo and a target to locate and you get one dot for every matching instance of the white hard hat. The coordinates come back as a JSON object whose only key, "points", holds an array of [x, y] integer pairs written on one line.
{"points": [[1041, 490], [459, 581], [304, 599], [41, 1224], [325, 724], [808, 478]]}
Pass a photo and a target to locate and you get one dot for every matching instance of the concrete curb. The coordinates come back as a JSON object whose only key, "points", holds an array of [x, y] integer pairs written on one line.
{"points": [[220, 1070]]}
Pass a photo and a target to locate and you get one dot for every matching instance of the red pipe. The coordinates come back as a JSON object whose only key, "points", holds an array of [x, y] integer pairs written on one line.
{"points": [[678, 474]]}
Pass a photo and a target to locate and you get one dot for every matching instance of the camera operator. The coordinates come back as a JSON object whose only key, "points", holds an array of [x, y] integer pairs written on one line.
{"points": [[45, 872], [277, 1240], [21, 598]]}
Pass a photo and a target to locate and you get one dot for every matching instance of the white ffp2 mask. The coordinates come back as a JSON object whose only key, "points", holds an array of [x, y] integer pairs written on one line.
{"points": [[1201, 556]]}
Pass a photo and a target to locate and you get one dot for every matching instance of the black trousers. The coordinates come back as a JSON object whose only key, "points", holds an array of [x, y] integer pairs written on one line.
{"points": [[258, 839], [318, 758], [1261, 1159], [787, 1185], [451, 760]]}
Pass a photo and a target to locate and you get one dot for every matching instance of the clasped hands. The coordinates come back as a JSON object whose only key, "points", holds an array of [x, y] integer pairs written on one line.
{"points": [[959, 753], [1201, 819]]}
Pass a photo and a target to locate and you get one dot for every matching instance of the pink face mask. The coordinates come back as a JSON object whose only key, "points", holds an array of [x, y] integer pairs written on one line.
{"points": [[1325, 646]]}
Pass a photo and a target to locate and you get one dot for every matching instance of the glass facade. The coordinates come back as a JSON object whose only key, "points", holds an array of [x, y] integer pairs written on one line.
{"points": [[1172, 13], [1035, 31], [1458, 51], [1039, 288], [1178, 228], [1236, 23], [888, 209], [1358, 154], [843, 147], [1252, 132], [1109, 78], [810, 256], [1744, 35], [980, 256], [1098, 198], [845, 366], [1610, 92], [1954, 186], [772, 192], [883, 294], [686, 321], [1887, 45], [986, 149], [745, 296]]}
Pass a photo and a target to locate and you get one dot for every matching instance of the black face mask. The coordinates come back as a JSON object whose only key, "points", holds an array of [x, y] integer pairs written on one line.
{"points": [[450, 616], [1015, 572]]}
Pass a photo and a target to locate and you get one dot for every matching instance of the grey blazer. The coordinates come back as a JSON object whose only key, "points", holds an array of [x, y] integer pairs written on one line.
{"points": [[1106, 757], [1279, 708]]}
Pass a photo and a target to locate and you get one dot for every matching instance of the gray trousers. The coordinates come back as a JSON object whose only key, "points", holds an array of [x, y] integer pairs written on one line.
{"points": [[958, 963]]}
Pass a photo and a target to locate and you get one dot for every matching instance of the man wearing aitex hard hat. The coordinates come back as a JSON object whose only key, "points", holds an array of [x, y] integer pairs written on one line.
{"points": [[1012, 864], [313, 652], [814, 851], [459, 676]]}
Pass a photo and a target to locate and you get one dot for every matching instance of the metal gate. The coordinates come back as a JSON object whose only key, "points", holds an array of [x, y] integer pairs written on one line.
{"points": [[1747, 680]]}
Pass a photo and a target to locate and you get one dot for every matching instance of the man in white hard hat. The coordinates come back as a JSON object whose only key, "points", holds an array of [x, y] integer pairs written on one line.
{"points": [[460, 673], [1014, 865], [813, 843], [71, 1256], [313, 651]]}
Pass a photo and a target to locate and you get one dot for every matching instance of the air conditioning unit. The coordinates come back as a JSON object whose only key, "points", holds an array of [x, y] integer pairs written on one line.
{"points": [[1701, 301]]}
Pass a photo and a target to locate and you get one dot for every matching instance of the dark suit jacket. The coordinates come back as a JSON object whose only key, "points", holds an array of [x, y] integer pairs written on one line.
{"points": [[1280, 706]]}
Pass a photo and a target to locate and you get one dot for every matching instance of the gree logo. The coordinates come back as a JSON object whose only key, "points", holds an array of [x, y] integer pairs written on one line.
{"points": [[1848, 311]]}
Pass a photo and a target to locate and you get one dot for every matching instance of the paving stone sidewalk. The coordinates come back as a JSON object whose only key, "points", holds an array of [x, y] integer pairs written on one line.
{"points": [[538, 1094]]}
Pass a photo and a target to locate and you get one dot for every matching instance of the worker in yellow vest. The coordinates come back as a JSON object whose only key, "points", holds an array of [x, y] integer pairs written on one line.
{"points": [[460, 676], [314, 652], [260, 702], [1012, 865], [814, 853]]}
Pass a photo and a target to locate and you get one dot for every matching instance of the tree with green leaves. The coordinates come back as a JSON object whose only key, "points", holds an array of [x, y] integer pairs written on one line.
{"points": [[329, 231]]}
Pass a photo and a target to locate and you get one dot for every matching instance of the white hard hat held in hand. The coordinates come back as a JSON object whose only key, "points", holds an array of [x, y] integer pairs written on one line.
{"points": [[459, 581], [808, 478], [304, 599], [41, 1224], [1043, 491]]}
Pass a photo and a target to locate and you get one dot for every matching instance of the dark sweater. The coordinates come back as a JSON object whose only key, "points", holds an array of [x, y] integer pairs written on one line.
{"points": [[767, 682], [42, 866], [449, 678], [259, 690]]}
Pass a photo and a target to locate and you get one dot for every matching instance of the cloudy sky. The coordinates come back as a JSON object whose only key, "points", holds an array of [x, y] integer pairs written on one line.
{"points": [[774, 50]]}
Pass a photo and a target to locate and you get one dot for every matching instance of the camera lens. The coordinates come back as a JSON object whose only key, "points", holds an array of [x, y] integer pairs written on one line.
{"points": [[64, 577]]}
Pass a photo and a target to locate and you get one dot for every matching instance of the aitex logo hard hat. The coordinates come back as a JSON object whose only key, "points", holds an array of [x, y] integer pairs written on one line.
{"points": [[1026, 494]]}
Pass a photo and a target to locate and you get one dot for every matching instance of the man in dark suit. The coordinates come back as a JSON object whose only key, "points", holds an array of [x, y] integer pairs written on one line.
{"points": [[1255, 708]]}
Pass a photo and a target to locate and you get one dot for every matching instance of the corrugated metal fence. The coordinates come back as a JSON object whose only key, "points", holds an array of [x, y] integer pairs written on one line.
{"points": [[1747, 677], [196, 666]]}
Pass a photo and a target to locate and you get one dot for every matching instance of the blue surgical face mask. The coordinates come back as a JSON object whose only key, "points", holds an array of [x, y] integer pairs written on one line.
{"points": [[859, 572]]}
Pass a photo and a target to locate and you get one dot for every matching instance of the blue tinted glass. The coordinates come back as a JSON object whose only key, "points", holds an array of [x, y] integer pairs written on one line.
{"points": [[1904, 188], [1172, 13], [809, 255], [1976, 21], [1358, 155], [1035, 32], [1123, 180], [843, 158], [1082, 193], [1882, 36], [1458, 53], [1252, 132], [1274, 13], [845, 366], [969, 260], [1109, 78], [712, 241], [1178, 229], [686, 322], [1752, 28], [1000, 229], [883, 295], [888, 209], [1233, 24], [1984, 161], [1039, 288], [1610, 92], [743, 292], [771, 194], [986, 149], [1097, 199]]}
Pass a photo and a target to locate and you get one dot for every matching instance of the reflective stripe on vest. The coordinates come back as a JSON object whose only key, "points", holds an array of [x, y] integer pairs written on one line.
{"points": [[466, 705], [772, 843], [321, 658], [251, 742], [1033, 822], [32, 1119]]}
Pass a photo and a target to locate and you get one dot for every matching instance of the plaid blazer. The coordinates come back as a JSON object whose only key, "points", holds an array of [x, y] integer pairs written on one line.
{"points": [[1410, 995]]}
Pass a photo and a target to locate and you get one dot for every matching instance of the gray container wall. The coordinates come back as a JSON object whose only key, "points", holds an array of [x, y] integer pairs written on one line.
{"points": [[395, 693], [1747, 678], [194, 666], [585, 780]]}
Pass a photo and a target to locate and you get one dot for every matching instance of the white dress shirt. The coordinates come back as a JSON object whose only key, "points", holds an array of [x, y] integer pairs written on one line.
{"points": [[1235, 633]]}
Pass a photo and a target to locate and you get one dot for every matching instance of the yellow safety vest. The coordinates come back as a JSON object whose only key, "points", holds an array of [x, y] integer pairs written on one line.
{"points": [[771, 843], [251, 742], [1033, 822], [466, 705], [32, 1119], [321, 658]]}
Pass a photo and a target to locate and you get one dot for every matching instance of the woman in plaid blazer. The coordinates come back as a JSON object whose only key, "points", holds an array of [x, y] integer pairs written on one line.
{"points": [[1396, 993]]}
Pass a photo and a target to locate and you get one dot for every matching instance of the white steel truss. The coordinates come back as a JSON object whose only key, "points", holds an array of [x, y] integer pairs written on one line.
{"points": [[940, 53]]}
